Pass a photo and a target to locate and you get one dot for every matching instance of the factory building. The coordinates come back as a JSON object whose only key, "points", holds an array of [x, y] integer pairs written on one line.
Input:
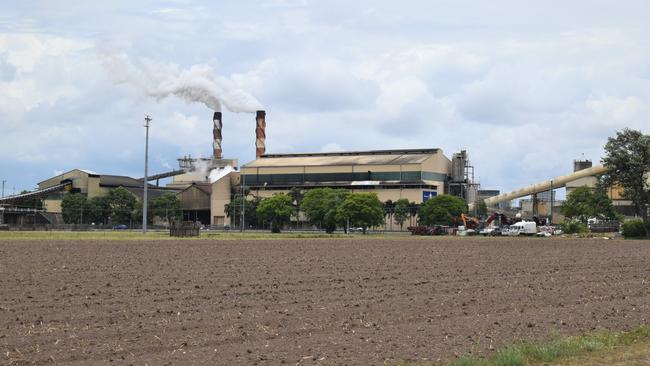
{"points": [[415, 175], [206, 185], [91, 184]]}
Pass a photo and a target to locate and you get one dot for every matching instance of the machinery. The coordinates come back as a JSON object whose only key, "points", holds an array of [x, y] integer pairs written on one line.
{"points": [[469, 222], [504, 220], [470, 225]]}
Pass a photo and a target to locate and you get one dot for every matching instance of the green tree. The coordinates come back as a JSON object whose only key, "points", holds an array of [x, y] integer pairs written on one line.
{"points": [[122, 205], [98, 210], [276, 210], [389, 211], [401, 212], [72, 207], [627, 159], [234, 208], [166, 206], [442, 210], [320, 204], [414, 210], [361, 210], [602, 204], [583, 203], [578, 204]]}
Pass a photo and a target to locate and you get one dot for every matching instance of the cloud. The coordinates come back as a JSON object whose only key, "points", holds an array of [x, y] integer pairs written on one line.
{"points": [[524, 87]]}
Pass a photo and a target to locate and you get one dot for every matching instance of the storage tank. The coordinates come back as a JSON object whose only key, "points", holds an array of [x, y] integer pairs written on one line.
{"points": [[458, 162]]}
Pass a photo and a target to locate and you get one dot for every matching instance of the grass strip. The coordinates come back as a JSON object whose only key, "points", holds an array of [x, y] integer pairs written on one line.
{"points": [[164, 235], [559, 348]]}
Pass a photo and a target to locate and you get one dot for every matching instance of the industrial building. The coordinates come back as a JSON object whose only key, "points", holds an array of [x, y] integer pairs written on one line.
{"points": [[206, 185], [91, 184], [414, 174], [393, 174]]}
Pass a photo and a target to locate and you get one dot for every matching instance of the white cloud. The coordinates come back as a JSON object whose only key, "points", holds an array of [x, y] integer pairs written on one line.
{"points": [[525, 88]]}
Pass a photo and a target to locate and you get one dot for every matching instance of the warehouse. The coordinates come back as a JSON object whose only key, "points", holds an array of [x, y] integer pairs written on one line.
{"points": [[393, 174], [415, 175], [92, 184]]}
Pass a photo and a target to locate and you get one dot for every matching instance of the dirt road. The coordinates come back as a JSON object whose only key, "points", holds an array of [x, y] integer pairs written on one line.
{"points": [[309, 301]]}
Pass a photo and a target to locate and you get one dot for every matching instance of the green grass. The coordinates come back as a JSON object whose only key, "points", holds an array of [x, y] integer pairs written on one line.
{"points": [[558, 348]]}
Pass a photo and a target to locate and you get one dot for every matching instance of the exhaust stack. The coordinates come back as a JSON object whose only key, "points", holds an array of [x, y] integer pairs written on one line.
{"points": [[216, 132], [260, 134]]}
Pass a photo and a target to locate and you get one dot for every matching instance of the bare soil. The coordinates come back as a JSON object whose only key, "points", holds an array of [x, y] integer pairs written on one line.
{"points": [[305, 302]]}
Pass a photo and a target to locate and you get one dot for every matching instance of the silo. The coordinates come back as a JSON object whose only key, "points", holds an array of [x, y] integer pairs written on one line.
{"points": [[581, 165]]}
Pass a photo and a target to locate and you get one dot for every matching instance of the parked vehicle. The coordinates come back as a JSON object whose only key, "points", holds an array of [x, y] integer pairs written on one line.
{"points": [[491, 231], [522, 228], [120, 227]]}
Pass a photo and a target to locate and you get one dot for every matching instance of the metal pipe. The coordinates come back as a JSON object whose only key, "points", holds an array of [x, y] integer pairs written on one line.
{"points": [[216, 134], [260, 133], [557, 182]]}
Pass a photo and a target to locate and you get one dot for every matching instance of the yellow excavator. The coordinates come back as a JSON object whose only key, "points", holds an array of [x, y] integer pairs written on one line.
{"points": [[469, 222]]}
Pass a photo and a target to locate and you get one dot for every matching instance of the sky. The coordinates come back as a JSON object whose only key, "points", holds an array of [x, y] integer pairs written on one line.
{"points": [[525, 87]]}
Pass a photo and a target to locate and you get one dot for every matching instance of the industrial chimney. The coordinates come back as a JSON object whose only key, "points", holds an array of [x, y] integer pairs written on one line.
{"points": [[260, 133], [216, 132]]}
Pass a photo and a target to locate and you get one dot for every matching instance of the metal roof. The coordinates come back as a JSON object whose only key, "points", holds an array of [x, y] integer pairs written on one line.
{"points": [[37, 193], [201, 186], [119, 180], [152, 192], [376, 157]]}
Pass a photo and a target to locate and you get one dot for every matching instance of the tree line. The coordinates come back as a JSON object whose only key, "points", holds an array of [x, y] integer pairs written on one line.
{"points": [[119, 206], [330, 209]]}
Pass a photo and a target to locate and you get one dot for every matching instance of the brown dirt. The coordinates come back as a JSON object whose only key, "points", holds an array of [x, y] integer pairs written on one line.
{"points": [[309, 301]]}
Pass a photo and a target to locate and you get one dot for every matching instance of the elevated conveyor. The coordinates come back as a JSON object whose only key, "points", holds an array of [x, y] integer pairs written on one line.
{"points": [[557, 182], [39, 193]]}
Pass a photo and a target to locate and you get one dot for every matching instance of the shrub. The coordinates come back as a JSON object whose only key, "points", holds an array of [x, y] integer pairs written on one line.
{"points": [[635, 229], [574, 227]]}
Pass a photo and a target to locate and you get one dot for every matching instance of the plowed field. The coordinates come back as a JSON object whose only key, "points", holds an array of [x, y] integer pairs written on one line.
{"points": [[329, 301]]}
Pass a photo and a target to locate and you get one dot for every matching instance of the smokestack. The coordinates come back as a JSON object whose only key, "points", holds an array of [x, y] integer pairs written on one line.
{"points": [[260, 133], [216, 132]]}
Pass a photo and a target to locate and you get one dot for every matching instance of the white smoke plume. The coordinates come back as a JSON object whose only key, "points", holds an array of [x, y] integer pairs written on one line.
{"points": [[199, 83], [219, 173], [202, 167]]}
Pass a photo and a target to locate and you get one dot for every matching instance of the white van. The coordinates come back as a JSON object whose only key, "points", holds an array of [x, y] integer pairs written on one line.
{"points": [[523, 228]]}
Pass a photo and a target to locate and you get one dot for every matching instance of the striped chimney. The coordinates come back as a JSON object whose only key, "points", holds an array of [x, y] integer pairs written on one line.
{"points": [[216, 132], [260, 133]]}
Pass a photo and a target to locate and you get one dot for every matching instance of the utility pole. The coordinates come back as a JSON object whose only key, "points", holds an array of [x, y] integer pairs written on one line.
{"points": [[3, 188], [243, 201], [145, 203], [551, 219]]}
